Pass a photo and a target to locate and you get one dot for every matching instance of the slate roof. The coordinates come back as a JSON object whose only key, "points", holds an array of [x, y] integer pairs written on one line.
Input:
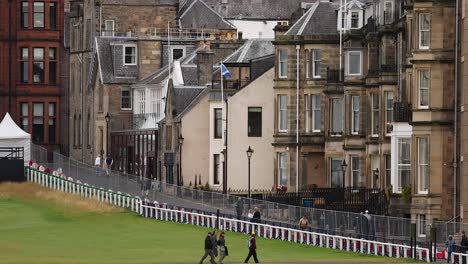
{"points": [[198, 15], [320, 19], [139, 2], [111, 62], [252, 49], [257, 9], [183, 97]]}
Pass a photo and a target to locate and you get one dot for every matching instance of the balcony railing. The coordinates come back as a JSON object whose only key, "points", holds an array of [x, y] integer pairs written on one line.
{"points": [[335, 75], [401, 112], [388, 68], [164, 33], [229, 84]]}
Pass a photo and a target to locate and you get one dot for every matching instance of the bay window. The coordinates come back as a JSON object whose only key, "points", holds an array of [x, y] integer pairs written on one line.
{"points": [[38, 65], [282, 113], [423, 89], [403, 162]]}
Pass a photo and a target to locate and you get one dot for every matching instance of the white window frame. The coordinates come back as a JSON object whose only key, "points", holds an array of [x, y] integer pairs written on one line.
{"points": [[401, 166], [171, 55], [316, 61], [422, 30], [355, 172], [280, 64], [282, 167], [375, 114], [282, 112], [351, 19], [388, 111], [316, 110], [121, 96], [348, 68], [135, 55], [334, 133], [421, 88], [141, 102], [109, 32], [355, 107], [421, 225], [422, 165]]}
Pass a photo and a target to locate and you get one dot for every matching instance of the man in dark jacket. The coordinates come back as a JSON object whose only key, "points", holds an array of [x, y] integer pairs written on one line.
{"points": [[214, 242], [464, 246], [256, 215], [208, 249], [252, 249], [222, 248]]}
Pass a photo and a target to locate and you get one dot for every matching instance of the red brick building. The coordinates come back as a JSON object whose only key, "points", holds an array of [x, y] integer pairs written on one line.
{"points": [[31, 37]]}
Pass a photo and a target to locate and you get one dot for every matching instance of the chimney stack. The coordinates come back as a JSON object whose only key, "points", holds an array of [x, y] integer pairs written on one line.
{"points": [[205, 60]]}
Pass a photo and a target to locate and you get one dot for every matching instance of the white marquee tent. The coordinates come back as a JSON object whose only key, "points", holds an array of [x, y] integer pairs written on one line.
{"points": [[11, 135]]}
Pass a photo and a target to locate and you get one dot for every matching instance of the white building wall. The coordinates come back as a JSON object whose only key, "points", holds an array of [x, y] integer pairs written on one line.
{"points": [[252, 29], [400, 130]]}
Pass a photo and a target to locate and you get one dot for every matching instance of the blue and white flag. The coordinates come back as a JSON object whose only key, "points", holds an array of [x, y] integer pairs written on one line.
{"points": [[225, 72]]}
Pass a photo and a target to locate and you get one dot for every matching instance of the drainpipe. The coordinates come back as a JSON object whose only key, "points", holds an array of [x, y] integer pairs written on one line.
{"points": [[455, 117], [297, 117]]}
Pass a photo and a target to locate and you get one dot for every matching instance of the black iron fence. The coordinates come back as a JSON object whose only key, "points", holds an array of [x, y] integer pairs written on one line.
{"points": [[335, 75], [347, 199]]}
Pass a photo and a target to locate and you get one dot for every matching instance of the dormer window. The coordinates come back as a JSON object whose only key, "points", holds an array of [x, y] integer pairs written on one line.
{"points": [[354, 19], [130, 54]]}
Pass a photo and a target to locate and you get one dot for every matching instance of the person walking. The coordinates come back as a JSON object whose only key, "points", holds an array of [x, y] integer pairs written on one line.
{"points": [[97, 164], [223, 251], [304, 223], [450, 245], [464, 246], [214, 241], [252, 244], [109, 161], [208, 249]]}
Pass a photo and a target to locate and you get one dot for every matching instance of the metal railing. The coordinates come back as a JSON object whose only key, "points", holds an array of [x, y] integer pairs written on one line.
{"points": [[164, 33], [375, 227]]}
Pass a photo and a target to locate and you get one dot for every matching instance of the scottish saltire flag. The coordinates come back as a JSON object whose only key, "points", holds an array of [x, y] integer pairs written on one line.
{"points": [[225, 72]]}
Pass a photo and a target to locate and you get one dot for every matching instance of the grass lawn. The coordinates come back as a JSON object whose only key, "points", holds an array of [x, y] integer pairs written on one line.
{"points": [[42, 226]]}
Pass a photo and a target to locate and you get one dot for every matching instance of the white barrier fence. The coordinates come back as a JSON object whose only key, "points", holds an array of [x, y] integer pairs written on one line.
{"points": [[457, 257], [286, 234], [363, 246], [63, 184]]}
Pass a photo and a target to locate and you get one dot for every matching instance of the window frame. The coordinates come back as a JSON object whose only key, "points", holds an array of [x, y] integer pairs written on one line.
{"points": [[421, 225], [308, 62], [34, 14], [332, 118], [282, 63], [52, 117], [389, 111], [24, 64], [216, 168], [356, 20], [52, 61], [421, 164], [282, 171], [355, 172], [109, 32], [340, 175], [218, 131], [422, 30], [316, 61], [348, 61], [24, 14], [129, 89], [375, 115], [135, 55], [316, 112], [53, 15], [34, 116], [25, 117], [282, 112], [420, 88], [403, 166], [42, 61], [249, 122], [355, 112]]}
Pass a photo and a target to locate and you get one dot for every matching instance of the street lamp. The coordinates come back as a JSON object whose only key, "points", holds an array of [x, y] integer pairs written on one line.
{"points": [[107, 117], [249, 155], [343, 169], [181, 141], [376, 177]]}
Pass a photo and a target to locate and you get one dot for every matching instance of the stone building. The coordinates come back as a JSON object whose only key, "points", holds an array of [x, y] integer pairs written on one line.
{"points": [[31, 50], [387, 114]]}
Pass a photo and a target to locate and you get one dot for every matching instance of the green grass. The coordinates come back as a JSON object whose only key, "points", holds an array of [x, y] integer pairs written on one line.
{"points": [[40, 231]]}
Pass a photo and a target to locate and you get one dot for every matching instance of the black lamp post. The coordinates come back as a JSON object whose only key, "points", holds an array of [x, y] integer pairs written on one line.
{"points": [[376, 177], [107, 117], [249, 155], [181, 141], [343, 169]]}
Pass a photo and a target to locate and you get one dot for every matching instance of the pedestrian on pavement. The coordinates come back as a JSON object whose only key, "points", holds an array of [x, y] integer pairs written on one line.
{"points": [[239, 208], [252, 244], [464, 246], [97, 164], [208, 249], [109, 161], [214, 241], [450, 245], [223, 251], [304, 223], [256, 215]]}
